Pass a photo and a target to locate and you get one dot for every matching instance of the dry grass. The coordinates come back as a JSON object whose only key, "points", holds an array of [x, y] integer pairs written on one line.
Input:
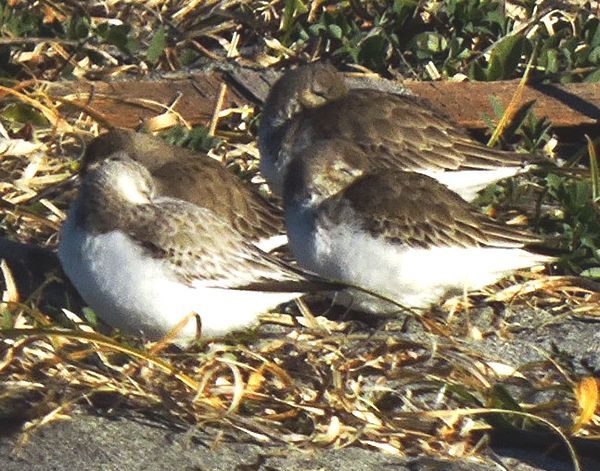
{"points": [[326, 385]]}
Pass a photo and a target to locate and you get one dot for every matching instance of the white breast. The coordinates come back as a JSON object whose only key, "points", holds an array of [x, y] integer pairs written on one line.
{"points": [[414, 277], [138, 295]]}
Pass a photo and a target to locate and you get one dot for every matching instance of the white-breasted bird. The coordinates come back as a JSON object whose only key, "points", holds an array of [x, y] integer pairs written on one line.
{"points": [[400, 234], [396, 132], [143, 262], [197, 178]]}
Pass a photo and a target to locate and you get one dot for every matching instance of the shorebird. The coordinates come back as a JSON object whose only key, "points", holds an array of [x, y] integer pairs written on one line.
{"points": [[400, 234], [144, 261], [397, 132], [196, 178]]}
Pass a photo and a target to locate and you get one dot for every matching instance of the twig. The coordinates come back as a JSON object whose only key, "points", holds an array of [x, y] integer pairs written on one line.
{"points": [[66, 42]]}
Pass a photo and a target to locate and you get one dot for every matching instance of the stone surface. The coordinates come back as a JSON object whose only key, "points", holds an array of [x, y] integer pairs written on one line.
{"points": [[91, 442]]}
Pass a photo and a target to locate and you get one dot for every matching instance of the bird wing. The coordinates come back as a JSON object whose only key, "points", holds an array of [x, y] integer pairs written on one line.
{"points": [[203, 250], [403, 132], [415, 210], [208, 184]]}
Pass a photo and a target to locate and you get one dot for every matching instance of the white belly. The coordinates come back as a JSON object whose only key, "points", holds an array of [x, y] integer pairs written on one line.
{"points": [[134, 293], [413, 277], [467, 183]]}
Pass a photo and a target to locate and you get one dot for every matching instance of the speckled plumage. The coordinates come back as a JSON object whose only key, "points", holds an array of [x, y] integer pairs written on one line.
{"points": [[196, 178], [395, 131], [398, 233], [144, 261]]}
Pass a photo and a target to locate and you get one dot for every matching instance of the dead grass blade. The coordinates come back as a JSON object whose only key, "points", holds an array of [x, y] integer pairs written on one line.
{"points": [[104, 341], [513, 105], [535, 418]]}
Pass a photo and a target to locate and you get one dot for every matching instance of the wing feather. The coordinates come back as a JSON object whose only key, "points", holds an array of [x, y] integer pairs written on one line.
{"points": [[201, 249], [415, 210], [403, 132]]}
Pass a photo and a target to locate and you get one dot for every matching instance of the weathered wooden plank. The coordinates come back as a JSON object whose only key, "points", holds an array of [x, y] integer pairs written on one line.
{"points": [[126, 103], [566, 106]]}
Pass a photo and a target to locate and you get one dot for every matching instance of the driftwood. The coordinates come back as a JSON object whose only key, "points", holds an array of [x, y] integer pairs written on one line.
{"points": [[127, 103]]}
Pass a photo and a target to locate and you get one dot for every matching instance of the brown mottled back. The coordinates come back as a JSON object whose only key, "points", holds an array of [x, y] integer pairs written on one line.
{"points": [[193, 177]]}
